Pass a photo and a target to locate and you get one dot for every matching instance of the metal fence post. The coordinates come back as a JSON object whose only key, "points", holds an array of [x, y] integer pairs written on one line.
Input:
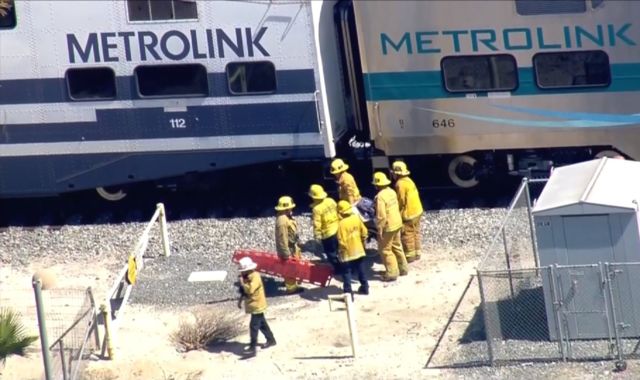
{"points": [[483, 304], [613, 312], [44, 341], [166, 246], [557, 304], [508, 261], [607, 309], [64, 365], [534, 244]]}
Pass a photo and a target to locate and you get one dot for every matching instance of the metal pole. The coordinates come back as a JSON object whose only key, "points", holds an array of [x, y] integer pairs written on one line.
{"points": [[613, 312], [352, 324], [607, 312], [165, 233], [106, 316], [506, 257], [557, 304], [534, 243], [44, 341], [64, 365], [483, 304]]}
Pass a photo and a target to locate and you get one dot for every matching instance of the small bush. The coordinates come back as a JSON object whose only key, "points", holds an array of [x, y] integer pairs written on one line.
{"points": [[206, 328]]}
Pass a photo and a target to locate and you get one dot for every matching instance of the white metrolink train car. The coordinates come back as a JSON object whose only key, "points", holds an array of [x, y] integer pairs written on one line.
{"points": [[104, 93]]}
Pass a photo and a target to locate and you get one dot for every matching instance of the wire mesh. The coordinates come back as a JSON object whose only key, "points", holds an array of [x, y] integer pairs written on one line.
{"points": [[515, 317], [71, 347]]}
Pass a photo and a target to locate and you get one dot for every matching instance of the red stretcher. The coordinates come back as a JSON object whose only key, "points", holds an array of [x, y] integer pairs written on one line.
{"points": [[300, 269]]}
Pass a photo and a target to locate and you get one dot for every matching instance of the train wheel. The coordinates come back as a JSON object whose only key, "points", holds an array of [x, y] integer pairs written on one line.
{"points": [[462, 171], [111, 194]]}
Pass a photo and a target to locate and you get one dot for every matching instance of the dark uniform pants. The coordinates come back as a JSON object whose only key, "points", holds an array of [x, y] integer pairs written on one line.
{"points": [[351, 268], [259, 323], [330, 248]]}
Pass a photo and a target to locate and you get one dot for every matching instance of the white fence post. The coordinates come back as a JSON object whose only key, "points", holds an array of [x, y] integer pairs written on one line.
{"points": [[165, 233]]}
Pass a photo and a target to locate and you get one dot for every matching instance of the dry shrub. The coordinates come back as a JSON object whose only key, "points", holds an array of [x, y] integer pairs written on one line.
{"points": [[206, 328]]}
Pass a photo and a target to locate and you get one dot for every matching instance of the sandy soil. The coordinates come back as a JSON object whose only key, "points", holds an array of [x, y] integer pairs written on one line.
{"points": [[398, 325]]}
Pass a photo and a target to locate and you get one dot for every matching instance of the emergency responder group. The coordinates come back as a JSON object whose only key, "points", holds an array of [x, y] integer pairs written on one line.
{"points": [[340, 230]]}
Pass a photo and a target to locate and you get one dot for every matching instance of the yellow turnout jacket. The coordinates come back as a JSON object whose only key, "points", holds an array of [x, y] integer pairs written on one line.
{"points": [[325, 218], [387, 211], [408, 199], [351, 235], [255, 301]]}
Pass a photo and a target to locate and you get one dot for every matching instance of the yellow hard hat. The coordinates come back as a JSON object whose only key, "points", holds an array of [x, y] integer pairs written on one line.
{"points": [[338, 166], [380, 179], [344, 208], [317, 192], [285, 203], [400, 168]]}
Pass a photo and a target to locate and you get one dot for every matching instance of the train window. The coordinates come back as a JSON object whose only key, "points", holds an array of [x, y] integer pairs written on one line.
{"points": [[478, 73], [550, 7], [7, 15], [172, 80], [251, 78], [158, 10], [572, 69], [95, 83]]}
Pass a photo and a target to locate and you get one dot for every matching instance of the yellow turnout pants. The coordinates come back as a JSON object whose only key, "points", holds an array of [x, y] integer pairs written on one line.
{"points": [[391, 253], [290, 284], [411, 239]]}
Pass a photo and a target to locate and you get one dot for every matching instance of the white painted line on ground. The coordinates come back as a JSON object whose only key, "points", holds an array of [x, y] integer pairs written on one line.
{"points": [[216, 275]]}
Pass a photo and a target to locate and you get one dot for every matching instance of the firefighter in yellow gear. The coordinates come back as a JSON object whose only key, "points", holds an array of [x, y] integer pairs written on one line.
{"points": [[287, 238], [347, 187], [410, 210], [325, 223], [351, 237], [255, 303], [389, 224]]}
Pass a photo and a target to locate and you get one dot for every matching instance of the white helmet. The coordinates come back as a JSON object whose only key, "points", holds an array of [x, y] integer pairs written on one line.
{"points": [[246, 264]]}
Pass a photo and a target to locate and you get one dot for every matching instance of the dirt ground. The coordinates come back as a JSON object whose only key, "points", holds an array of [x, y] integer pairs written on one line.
{"points": [[398, 325]]}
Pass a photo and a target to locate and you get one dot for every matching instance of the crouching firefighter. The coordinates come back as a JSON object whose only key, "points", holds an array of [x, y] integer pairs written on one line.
{"points": [[255, 303], [287, 238]]}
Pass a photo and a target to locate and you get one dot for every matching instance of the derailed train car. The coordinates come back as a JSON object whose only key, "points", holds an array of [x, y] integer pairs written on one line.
{"points": [[97, 94]]}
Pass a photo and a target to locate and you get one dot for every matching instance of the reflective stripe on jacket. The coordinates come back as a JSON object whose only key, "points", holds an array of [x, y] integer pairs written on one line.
{"points": [[286, 236], [387, 211], [325, 218], [348, 189], [351, 235], [408, 199], [255, 301]]}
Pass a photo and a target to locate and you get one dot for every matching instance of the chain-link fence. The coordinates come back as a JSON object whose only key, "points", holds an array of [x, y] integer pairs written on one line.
{"points": [[73, 346]]}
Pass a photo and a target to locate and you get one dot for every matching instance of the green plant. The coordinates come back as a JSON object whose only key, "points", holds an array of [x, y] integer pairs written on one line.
{"points": [[13, 338]]}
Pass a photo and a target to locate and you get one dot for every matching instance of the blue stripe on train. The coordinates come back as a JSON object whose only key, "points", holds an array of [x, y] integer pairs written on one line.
{"points": [[57, 174], [54, 90], [413, 85], [148, 123]]}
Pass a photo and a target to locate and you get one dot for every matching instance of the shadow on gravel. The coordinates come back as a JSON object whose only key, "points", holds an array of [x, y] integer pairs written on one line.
{"points": [[323, 357], [519, 318], [320, 294]]}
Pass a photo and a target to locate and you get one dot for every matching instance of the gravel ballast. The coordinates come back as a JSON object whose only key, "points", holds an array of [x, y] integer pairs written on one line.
{"points": [[208, 244]]}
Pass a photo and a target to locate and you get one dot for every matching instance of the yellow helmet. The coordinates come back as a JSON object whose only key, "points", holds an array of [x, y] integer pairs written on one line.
{"points": [[285, 203], [316, 192], [400, 168], [380, 179], [344, 208], [338, 166]]}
